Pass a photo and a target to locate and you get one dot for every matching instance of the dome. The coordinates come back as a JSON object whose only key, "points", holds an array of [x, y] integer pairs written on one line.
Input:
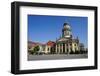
{"points": [[66, 26]]}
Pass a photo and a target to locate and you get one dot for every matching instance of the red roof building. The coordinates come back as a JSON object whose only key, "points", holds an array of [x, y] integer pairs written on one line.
{"points": [[51, 43]]}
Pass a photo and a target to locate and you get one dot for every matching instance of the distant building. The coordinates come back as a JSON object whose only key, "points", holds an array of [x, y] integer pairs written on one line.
{"points": [[81, 46], [32, 45]]}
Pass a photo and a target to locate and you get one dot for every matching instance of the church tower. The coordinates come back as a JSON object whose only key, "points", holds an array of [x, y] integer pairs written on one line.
{"points": [[66, 31]]}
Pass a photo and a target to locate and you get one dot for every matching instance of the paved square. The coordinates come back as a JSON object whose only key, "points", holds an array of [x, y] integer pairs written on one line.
{"points": [[57, 56]]}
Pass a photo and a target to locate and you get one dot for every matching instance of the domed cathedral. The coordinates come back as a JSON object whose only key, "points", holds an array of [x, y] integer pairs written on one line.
{"points": [[66, 43]]}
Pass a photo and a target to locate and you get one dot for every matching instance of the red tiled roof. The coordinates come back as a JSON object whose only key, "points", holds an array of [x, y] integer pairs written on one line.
{"points": [[50, 43]]}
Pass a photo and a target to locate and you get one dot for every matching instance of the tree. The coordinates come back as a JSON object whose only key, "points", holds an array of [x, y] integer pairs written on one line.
{"points": [[36, 49]]}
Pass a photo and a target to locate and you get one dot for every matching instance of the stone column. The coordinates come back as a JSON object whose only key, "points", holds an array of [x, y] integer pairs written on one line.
{"points": [[68, 48], [59, 48], [73, 47], [56, 48], [65, 48], [62, 48]]}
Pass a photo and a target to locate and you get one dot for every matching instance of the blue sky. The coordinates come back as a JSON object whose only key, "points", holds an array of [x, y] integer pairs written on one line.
{"points": [[42, 28]]}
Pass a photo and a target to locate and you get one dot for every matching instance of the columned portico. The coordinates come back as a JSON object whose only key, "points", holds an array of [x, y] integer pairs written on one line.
{"points": [[63, 48]]}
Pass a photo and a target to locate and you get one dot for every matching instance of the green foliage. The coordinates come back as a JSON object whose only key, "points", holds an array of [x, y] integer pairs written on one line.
{"points": [[36, 49]]}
